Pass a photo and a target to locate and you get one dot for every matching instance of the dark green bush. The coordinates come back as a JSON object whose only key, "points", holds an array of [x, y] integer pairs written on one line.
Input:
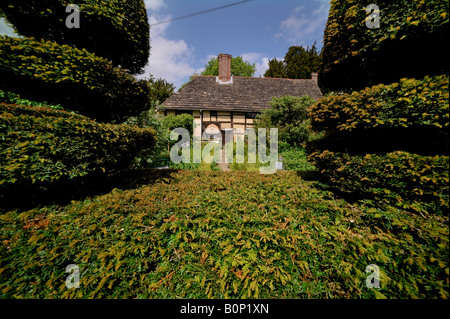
{"points": [[74, 78], [411, 115], [408, 181], [407, 103], [290, 115], [355, 56], [186, 121], [41, 146], [116, 30]]}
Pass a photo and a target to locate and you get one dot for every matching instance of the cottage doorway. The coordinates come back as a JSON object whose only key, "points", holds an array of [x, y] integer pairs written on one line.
{"points": [[212, 131]]}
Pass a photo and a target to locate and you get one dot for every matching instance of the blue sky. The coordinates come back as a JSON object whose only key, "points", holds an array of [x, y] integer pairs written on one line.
{"points": [[257, 30]]}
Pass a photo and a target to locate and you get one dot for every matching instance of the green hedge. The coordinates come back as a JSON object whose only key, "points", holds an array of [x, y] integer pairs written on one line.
{"points": [[408, 103], [41, 146], [76, 79], [198, 235], [355, 56], [410, 115], [116, 30], [408, 181]]}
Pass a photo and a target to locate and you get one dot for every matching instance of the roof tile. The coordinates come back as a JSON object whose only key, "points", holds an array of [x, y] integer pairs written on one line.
{"points": [[245, 93]]}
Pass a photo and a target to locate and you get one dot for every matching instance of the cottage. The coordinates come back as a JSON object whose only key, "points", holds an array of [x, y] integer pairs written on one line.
{"points": [[230, 102]]}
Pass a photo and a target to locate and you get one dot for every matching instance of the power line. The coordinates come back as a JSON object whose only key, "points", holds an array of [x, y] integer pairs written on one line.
{"points": [[203, 12]]}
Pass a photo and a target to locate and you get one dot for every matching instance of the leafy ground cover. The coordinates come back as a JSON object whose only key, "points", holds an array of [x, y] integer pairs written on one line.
{"points": [[199, 234]]}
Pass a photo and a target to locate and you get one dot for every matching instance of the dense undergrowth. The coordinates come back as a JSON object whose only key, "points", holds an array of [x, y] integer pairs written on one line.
{"points": [[197, 234]]}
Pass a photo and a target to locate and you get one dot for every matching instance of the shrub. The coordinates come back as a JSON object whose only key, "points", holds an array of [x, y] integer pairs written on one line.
{"points": [[222, 235], [41, 146], [296, 159], [290, 115], [411, 115], [355, 56], [172, 122], [74, 78], [407, 103], [12, 98], [115, 30], [408, 181]]}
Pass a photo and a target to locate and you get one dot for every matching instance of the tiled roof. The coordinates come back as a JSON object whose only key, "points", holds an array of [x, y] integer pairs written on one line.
{"points": [[245, 93]]}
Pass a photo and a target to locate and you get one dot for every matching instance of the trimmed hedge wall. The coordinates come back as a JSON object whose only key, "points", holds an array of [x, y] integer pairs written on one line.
{"points": [[74, 78], [410, 42], [411, 115], [388, 143], [198, 235], [404, 180], [116, 30], [407, 103], [41, 147]]}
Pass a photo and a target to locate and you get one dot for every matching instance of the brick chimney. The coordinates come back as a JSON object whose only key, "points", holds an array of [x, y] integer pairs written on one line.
{"points": [[314, 77], [224, 67]]}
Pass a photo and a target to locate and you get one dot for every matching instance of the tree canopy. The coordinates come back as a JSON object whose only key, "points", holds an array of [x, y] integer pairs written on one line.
{"points": [[298, 63], [276, 69], [160, 89], [113, 29], [239, 67], [290, 115]]}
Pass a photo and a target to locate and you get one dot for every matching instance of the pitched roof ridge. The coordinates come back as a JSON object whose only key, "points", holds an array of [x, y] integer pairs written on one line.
{"points": [[250, 77]]}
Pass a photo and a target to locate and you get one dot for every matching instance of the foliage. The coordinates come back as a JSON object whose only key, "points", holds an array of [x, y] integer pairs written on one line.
{"points": [[116, 30], [411, 115], [355, 56], [222, 235], [150, 119], [162, 127], [239, 67], [172, 122], [295, 159], [290, 115], [276, 69], [301, 62], [160, 90], [41, 146], [76, 79], [408, 103], [404, 180], [298, 63], [12, 98]]}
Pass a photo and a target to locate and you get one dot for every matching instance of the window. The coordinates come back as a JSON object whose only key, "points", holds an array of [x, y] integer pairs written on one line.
{"points": [[213, 115], [179, 112], [251, 115]]}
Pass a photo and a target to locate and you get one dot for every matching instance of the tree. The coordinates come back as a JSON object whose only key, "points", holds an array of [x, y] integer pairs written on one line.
{"points": [[160, 89], [276, 69], [301, 62], [298, 63], [239, 67], [116, 30], [290, 115]]}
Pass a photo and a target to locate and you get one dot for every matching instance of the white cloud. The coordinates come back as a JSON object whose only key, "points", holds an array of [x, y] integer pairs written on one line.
{"points": [[154, 5], [260, 60], [169, 59], [301, 28]]}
